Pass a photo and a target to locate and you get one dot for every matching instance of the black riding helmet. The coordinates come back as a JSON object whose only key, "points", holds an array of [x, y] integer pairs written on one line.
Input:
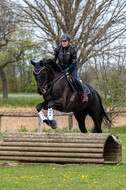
{"points": [[65, 37]]}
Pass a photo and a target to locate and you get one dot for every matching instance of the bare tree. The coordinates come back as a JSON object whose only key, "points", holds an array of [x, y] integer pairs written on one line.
{"points": [[7, 27], [14, 40], [110, 79], [89, 22]]}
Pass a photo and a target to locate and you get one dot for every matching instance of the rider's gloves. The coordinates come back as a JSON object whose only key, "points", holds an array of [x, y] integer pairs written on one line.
{"points": [[66, 70]]}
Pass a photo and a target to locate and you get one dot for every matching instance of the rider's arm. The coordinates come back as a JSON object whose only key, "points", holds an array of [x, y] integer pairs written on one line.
{"points": [[74, 60], [55, 56], [56, 53]]}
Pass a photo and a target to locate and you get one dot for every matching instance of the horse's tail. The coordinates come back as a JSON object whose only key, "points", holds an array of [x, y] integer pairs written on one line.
{"points": [[105, 117]]}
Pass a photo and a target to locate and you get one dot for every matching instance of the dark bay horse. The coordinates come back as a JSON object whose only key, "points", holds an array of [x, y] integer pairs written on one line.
{"points": [[57, 93]]}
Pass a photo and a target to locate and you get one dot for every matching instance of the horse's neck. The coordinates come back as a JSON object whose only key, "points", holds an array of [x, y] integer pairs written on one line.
{"points": [[53, 74]]}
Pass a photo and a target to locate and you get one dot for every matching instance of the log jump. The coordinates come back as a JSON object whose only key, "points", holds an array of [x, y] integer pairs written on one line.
{"points": [[61, 148]]}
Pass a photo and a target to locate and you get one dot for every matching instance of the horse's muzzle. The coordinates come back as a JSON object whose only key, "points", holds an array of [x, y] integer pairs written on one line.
{"points": [[41, 91]]}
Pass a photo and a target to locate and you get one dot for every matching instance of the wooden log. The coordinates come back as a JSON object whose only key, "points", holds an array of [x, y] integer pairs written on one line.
{"points": [[51, 149], [54, 160], [61, 147], [56, 135], [37, 144], [51, 154], [77, 140]]}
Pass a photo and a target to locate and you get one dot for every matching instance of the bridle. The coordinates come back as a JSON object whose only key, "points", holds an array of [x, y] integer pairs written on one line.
{"points": [[46, 85], [40, 69]]}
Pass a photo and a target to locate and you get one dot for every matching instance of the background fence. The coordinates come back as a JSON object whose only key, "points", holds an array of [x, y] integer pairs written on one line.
{"points": [[69, 121], [39, 122]]}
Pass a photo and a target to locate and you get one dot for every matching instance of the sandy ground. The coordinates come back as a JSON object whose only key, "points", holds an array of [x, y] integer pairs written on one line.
{"points": [[30, 123]]}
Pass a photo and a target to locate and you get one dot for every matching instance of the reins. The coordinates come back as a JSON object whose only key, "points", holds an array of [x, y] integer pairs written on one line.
{"points": [[58, 79]]}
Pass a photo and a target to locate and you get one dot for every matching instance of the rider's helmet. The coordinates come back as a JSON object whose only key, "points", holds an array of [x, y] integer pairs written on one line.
{"points": [[65, 37]]}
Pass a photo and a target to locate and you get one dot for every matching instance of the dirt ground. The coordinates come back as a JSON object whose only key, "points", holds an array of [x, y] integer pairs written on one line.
{"points": [[30, 123]]}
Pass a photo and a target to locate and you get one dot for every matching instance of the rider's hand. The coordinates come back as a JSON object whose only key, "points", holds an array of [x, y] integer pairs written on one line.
{"points": [[65, 71]]}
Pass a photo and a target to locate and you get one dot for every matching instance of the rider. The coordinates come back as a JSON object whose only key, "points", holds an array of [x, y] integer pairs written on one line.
{"points": [[66, 55]]}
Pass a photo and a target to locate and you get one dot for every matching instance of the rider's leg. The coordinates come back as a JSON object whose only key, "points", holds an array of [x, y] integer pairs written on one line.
{"points": [[79, 84], [81, 88]]}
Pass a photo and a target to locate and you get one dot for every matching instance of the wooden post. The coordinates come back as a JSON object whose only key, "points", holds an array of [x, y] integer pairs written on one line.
{"points": [[70, 119], [0, 124], [39, 125]]}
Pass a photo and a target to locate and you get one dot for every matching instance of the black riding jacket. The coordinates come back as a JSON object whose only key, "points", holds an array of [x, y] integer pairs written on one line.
{"points": [[66, 57]]}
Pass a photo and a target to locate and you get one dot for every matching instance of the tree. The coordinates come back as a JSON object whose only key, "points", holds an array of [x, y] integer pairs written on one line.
{"points": [[15, 42], [109, 76], [89, 22], [7, 26]]}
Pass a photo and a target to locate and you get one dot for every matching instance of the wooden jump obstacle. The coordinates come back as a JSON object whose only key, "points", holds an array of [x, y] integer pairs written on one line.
{"points": [[61, 148]]}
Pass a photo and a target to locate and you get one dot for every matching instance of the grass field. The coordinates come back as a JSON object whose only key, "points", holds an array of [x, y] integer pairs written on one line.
{"points": [[20, 101], [73, 177]]}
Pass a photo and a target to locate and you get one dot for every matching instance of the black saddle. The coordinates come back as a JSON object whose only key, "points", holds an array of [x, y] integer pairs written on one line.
{"points": [[74, 86]]}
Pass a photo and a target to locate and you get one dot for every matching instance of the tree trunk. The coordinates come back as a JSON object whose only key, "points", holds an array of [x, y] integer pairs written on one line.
{"points": [[4, 83]]}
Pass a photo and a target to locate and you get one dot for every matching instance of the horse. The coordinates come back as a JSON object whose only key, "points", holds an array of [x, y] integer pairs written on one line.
{"points": [[58, 94]]}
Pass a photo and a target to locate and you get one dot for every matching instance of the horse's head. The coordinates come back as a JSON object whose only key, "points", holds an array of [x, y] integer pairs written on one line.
{"points": [[41, 76], [45, 71]]}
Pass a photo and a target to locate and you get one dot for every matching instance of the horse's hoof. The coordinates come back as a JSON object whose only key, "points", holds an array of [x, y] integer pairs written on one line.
{"points": [[51, 123]]}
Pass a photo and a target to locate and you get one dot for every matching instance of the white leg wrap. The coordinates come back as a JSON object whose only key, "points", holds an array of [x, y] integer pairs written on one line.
{"points": [[41, 115], [50, 114]]}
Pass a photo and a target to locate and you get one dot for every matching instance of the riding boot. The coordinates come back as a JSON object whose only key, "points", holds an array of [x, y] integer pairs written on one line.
{"points": [[84, 97]]}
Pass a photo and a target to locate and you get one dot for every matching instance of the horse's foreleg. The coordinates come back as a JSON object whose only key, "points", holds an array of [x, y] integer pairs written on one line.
{"points": [[49, 121], [41, 106], [40, 113], [57, 104]]}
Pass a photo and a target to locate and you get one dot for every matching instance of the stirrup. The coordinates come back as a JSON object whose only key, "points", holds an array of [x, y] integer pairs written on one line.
{"points": [[84, 98]]}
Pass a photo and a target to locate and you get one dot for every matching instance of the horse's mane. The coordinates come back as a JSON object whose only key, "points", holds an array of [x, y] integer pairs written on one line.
{"points": [[52, 64]]}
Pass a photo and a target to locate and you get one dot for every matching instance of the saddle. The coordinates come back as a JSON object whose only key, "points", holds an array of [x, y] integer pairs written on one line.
{"points": [[74, 86]]}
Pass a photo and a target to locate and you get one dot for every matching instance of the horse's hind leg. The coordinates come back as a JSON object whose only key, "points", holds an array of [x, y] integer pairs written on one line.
{"points": [[97, 121], [80, 117]]}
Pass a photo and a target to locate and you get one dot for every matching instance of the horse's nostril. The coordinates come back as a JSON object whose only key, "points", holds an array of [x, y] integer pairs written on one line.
{"points": [[43, 91]]}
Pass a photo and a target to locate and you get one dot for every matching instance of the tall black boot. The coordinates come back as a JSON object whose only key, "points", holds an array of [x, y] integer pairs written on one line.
{"points": [[84, 96]]}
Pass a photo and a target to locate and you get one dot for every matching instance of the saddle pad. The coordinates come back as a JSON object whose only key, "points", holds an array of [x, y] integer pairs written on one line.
{"points": [[86, 89]]}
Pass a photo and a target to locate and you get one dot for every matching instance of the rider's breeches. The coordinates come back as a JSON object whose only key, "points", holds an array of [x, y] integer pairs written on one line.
{"points": [[77, 80], [80, 86]]}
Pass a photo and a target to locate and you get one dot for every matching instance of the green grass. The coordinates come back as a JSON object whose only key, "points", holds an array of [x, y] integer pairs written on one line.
{"points": [[63, 178], [74, 177], [117, 130], [20, 101]]}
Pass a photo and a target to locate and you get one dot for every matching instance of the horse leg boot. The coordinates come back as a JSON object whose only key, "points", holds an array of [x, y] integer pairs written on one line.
{"points": [[52, 122], [44, 119], [84, 96]]}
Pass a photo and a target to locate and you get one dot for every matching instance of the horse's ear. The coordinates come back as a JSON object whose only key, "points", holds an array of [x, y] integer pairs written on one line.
{"points": [[41, 63], [33, 63]]}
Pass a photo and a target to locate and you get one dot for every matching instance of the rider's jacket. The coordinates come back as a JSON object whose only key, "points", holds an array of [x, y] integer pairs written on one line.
{"points": [[66, 57]]}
